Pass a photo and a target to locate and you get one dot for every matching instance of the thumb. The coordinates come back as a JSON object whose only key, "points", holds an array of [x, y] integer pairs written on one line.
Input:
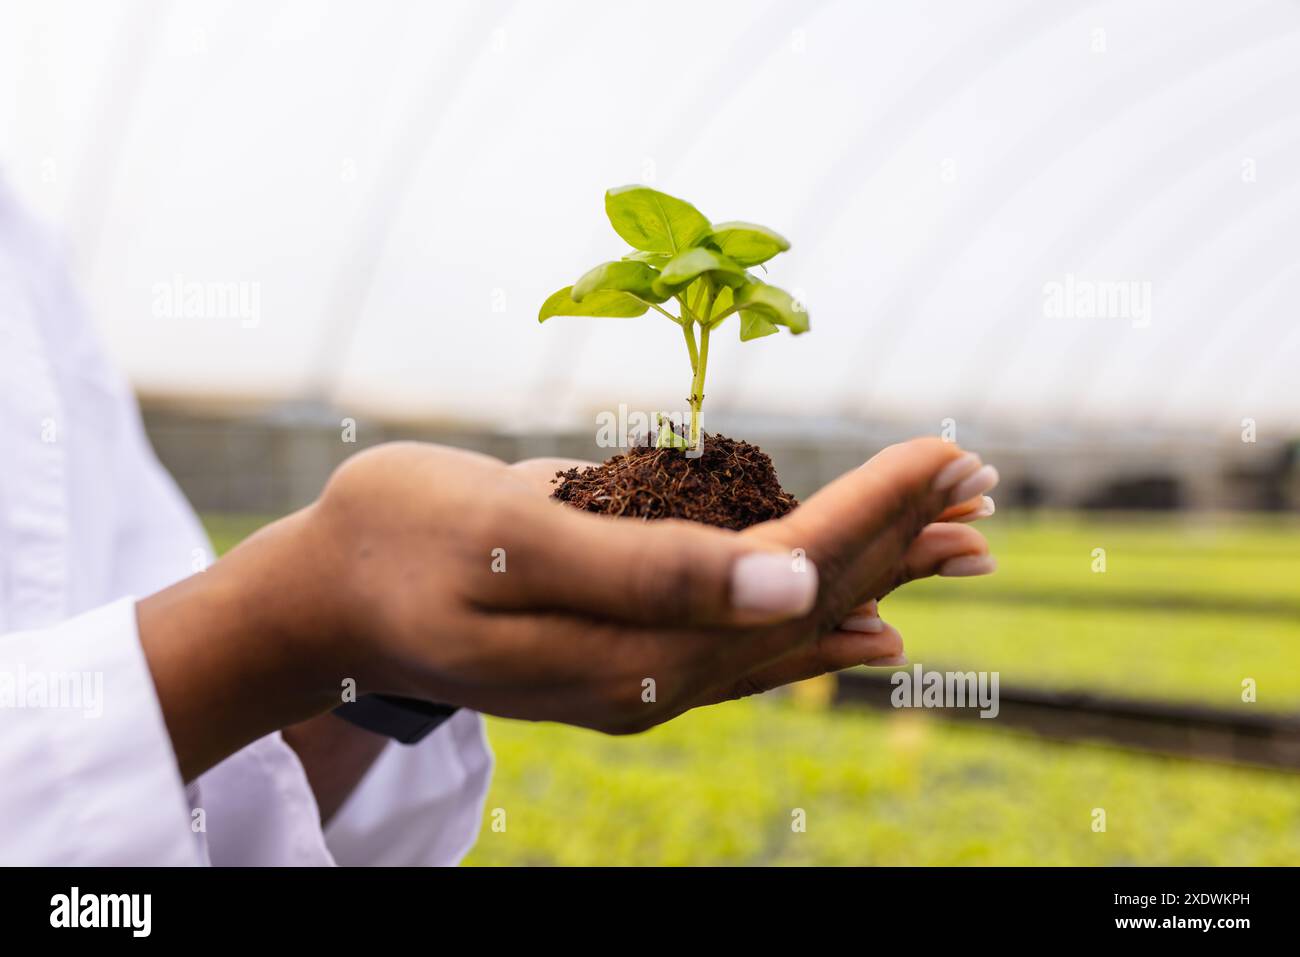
{"points": [[665, 573], [860, 526]]}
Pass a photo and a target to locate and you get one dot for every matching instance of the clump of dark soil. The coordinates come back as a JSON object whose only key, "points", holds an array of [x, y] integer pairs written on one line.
{"points": [[732, 485]]}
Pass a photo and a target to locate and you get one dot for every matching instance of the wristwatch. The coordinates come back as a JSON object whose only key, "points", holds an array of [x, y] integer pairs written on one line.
{"points": [[406, 720]]}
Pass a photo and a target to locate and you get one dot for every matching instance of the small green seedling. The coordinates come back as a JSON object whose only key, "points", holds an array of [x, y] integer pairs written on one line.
{"points": [[683, 258]]}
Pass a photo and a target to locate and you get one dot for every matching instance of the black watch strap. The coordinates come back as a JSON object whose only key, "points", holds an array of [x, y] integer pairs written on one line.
{"points": [[407, 720]]}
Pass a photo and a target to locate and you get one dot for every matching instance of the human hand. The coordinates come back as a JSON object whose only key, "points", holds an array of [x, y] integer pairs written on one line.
{"points": [[862, 637], [443, 574], [584, 609]]}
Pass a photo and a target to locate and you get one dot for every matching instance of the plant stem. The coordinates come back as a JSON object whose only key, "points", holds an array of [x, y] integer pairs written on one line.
{"points": [[701, 364], [699, 354], [689, 333], [723, 315], [697, 387], [662, 311], [687, 315], [703, 316]]}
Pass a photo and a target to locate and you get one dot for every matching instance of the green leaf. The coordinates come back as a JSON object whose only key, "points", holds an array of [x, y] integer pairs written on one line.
{"points": [[630, 277], [773, 304], [653, 221], [656, 260], [721, 303], [618, 304], [747, 243], [668, 437], [754, 326], [684, 268]]}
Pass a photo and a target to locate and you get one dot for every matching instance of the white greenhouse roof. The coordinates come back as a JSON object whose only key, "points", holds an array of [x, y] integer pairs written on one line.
{"points": [[400, 185]]}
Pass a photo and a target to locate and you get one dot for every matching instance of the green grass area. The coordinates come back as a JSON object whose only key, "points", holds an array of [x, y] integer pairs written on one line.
{"points": [[1248, 562], [720, 786], [1185, 610]]}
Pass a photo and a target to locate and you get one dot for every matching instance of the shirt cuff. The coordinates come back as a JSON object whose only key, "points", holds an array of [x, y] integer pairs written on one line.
{"points": [[90, 777], [419, 805]]}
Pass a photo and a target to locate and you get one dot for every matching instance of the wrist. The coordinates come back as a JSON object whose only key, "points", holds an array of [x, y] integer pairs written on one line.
{"points": [[291, 586], [244, 648]]}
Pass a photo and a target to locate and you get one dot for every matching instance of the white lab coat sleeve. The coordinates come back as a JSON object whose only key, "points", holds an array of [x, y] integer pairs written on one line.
{"points": [[89, 774], [257, 806], [419, 804], [93, 517]]}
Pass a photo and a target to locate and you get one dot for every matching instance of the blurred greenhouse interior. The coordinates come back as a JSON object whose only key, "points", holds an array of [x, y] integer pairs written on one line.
{"points": [[1066, 235]]}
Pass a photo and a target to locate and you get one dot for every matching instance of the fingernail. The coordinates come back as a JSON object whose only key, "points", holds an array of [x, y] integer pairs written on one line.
{"points": [[887, 662], [773, 585], [966, 566], [955, 471], [985, 508], [870, 624], [983, 480]]}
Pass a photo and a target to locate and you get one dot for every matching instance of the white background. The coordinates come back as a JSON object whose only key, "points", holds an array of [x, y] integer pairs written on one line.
{"points": [[387, 172]]}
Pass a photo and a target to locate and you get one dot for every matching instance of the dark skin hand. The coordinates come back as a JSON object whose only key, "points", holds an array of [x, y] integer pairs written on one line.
{"points": [[337, 755], [388, 580]]}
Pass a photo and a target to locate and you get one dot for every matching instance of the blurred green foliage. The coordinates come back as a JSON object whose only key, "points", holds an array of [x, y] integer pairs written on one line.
{"points": [[719, 786], [1186, 609]]}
